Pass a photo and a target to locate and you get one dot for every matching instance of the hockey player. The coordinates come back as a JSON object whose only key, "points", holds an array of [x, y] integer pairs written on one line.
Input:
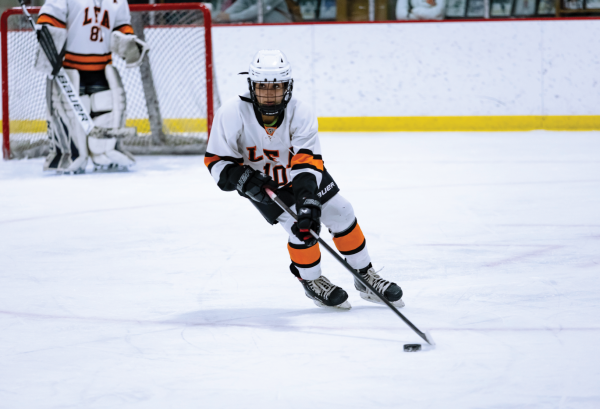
{"points": [[266, 138], [91, 30]]}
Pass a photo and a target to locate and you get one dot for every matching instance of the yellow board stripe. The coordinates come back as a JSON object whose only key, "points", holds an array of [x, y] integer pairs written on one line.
{"points": [[172, 125], [459, 123], [381, 124], [30, 126]]}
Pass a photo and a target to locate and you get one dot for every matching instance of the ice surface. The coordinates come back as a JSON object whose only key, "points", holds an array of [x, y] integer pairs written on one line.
{"points": [[154, 289]]}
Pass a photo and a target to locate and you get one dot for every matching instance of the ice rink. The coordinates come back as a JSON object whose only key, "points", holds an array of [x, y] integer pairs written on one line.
{"points": [[154, 289]]}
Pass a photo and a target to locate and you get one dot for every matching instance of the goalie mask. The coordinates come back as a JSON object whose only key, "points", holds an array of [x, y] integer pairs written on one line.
{"points": [[270, 82]]}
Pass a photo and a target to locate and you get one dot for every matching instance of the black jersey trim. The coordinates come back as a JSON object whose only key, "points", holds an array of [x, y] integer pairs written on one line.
{"points": [[227, 158], [88, 63]]}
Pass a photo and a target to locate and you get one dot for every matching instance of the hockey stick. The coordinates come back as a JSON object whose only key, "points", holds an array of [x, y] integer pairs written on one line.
{"points": [[58, 73], [425, 335]]}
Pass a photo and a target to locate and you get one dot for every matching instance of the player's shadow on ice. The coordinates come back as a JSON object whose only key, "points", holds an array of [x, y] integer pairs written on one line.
{"points": [[278, 319], [275, 318]]}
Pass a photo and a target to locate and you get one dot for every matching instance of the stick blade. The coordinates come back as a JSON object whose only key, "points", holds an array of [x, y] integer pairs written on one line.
{"points": [[429, 338]]}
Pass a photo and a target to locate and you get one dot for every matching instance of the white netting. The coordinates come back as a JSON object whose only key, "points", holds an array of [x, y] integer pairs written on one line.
{"points": [[178, 80]]}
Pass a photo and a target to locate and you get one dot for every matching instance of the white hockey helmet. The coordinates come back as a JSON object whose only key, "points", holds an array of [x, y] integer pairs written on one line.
{"points": [[270, 66]]}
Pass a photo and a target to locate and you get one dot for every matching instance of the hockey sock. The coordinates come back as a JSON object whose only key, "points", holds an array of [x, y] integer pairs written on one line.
{"points": [[307, 260], [353, 245]]}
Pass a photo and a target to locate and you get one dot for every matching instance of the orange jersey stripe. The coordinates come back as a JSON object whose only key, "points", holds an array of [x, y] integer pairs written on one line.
{"points": [[88, 59], [47, 19], [85, 67], [305, 256], [126, 29], [306, 159], [208, 160], [351, 241]]}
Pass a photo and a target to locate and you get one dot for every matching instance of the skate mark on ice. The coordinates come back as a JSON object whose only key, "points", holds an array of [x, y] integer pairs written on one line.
{"points": [[543, 182], [529, 254], [114, 209], [549, 225], [287, 326], [471, 245]]}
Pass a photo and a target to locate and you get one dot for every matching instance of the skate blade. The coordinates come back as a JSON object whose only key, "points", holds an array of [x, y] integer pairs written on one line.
{"points": [[79, 171], [113, 168], [343, 306], [376, 300]]}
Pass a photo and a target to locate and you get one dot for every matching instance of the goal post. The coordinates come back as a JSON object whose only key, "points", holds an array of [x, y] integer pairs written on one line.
{"points": [[171, 97]]}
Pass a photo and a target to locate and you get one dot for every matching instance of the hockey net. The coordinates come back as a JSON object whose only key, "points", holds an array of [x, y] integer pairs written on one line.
{"points": [[171, 97]]}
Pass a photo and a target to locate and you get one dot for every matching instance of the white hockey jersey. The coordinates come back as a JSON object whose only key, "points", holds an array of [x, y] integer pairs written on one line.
{"points": [[89, 24], [237, 138]]}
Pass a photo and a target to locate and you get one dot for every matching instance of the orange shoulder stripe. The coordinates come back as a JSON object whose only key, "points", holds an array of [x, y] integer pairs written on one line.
{"points": [[48, 19]]}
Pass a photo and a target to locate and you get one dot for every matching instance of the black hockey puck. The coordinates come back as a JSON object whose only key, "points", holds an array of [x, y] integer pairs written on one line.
{"points": [[412, 347]]}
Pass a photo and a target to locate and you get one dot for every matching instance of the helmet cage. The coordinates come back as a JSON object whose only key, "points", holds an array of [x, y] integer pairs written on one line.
{"points": [[271, 110]]}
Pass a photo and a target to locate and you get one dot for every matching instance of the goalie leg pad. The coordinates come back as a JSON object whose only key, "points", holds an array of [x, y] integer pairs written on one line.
{"points": [[55, 150], [101, 101], [68, 152], [106, 152], [113, 100]]}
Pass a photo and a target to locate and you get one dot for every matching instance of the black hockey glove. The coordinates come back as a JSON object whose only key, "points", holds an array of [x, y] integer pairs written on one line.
{"points": [[252, 183], [309, 218]]}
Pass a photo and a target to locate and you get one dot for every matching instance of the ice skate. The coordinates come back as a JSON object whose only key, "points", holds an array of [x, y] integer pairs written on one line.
{"points": [[325, 294], [390, 290]]}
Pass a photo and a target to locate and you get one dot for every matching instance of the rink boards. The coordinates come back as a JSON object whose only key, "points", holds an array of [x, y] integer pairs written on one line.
{"points": [[438, 76], [431, 76]]}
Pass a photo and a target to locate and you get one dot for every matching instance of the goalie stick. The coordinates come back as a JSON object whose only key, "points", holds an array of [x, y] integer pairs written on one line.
{"points": [[59, 75], [425, 335]]}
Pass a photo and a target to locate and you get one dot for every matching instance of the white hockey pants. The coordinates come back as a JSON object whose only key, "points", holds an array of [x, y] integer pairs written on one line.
{"points": [[338, 215]]}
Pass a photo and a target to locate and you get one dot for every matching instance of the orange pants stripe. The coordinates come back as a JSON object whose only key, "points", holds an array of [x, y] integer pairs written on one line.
{"points": [[350, 241], [305, 257]]}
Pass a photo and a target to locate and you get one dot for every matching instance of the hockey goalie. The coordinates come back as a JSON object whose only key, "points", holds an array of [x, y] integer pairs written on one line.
{"points": [[87, 32]]}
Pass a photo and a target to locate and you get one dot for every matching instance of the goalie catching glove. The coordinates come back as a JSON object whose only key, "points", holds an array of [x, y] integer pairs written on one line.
{"points": [[252, 183], [309, 218], [128, 47]]}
